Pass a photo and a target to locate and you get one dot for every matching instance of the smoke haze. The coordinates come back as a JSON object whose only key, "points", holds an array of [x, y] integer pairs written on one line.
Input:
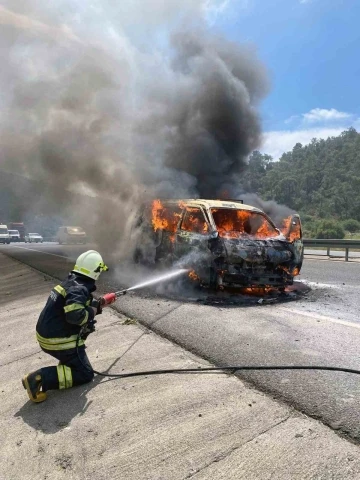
{"points": [[121, 101]]}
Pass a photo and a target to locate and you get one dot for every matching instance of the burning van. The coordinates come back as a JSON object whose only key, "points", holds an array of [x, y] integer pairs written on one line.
{"points": [[222, 243]]}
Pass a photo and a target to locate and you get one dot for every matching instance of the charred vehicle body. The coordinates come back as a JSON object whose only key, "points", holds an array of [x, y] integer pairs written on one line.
{"points": [[224, 243]]}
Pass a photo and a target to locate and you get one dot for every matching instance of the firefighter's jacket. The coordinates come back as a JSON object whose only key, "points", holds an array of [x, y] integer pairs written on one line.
{"points": [[66, 311]]}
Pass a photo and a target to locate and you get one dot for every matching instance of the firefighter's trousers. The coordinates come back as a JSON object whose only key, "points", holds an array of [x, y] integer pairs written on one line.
{"points": [[69, 372]]}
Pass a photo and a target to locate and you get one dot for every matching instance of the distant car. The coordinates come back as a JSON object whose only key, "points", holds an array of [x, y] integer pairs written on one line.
{"points": [[4, 234], [225, 243], [14, 235], [19, 227], [33, 238], [71, 235]]}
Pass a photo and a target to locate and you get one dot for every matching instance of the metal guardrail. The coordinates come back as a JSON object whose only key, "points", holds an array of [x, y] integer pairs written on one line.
{"points": [[334, 243]]}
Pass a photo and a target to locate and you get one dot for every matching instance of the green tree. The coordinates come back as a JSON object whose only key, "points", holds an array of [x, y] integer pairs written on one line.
{"points": [[321, 179], [351, 225], [329, 229], [259, 165]]}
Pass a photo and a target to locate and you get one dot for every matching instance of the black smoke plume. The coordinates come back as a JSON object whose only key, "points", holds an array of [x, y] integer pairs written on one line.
{"points": [[89, 106]]}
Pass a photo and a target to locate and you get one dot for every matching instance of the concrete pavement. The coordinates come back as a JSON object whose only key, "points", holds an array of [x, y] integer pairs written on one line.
{"points": [[172, 427]]}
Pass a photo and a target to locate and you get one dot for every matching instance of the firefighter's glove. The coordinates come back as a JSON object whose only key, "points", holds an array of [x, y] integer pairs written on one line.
{"points": [[88, 328], [97, 304]]}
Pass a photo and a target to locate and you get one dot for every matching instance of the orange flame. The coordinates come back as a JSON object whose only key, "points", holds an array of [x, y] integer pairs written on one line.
{"points": [[165, 218], [193, 275], [294, 272], [234, 223], [258, 291], [159, 222], [291, 228], [194, 221]]}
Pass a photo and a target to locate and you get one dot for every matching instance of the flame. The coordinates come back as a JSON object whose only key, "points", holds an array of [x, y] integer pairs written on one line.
{"points": [[233, 223], [165, 218], [193, 275], [291, 228], [194, 222], [159, 221], [261, 291], [287, 270], [294, 272]]}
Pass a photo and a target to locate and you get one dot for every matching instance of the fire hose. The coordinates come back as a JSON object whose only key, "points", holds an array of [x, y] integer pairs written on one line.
{"points": [[110, 298]]}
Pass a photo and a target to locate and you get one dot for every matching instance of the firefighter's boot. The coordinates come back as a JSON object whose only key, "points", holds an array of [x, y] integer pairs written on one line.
{"points": [[32, 383]]}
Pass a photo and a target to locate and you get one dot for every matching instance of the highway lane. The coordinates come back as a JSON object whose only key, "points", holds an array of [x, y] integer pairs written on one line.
{"points": [[321, 327], [315, 269]]}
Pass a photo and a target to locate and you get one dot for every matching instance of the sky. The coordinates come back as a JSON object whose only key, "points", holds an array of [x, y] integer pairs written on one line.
{"points": [[311, 49]]}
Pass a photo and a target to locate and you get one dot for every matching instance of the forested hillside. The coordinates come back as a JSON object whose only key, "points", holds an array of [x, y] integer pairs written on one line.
{"points": [[320, 180]]}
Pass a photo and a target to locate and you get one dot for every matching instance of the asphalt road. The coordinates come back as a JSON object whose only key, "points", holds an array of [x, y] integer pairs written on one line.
{"points": [[316, 324]]}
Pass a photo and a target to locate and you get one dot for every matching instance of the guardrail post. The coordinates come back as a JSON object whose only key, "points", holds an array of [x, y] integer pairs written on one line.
{"points": [[328, 251], [346, 254]]}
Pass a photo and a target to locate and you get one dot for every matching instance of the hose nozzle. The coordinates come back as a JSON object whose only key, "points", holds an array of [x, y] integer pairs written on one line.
{"points": [[110, 298], [120, 292]]}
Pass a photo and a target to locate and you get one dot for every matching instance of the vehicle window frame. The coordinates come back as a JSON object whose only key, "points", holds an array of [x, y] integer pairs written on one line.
{"points": [[186, 210]]}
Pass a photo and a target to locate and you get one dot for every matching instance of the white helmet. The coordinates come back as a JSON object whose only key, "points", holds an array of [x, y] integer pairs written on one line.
{"points": [[90, 264]]}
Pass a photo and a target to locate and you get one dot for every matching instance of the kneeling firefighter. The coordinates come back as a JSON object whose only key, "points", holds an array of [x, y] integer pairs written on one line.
{"points": [[69, 309]]}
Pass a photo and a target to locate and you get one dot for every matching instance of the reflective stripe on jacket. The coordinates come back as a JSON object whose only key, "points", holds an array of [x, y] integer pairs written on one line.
{"points": [[66, 310]]}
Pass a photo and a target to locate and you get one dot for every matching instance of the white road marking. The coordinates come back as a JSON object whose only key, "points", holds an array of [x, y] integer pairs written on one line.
{"points": [[326, 285], [40, 251], [320, 317], [318, 284]]}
